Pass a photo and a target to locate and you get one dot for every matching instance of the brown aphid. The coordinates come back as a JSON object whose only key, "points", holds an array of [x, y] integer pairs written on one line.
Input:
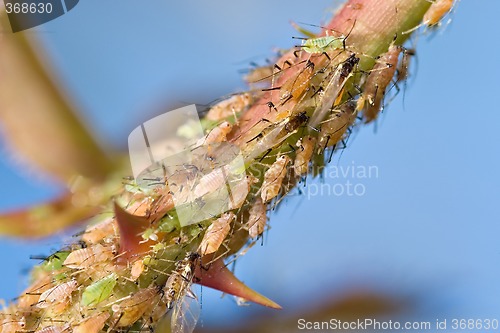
{"points": [[376, 84], [333, 89], [217, 134], [136, 269], [86, 257], [212, 181], [139, 204], [229, 107], [239, 191], [402, 72], [303, 154], [437, 11], [93, 324], [32, 294], [134, 307], [273, 135], [216, 233], [55, 329], [257, 218], [221, 178], [273, 178], [59, 295], [295, 86], [101, 231], [334, 129], [12, 324]]}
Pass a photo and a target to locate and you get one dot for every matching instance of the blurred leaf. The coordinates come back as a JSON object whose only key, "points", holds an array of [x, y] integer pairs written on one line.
{"points": [[84, 199], [45, 219], [35, 118], [354, 305]]}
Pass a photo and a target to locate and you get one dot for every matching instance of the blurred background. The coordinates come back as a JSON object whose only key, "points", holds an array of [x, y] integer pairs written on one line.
{"points": [[420, 233]]}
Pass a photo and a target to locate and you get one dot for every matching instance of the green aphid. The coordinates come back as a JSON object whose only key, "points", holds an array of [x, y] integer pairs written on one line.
{"points": [[150, 233], [52, 264], [158, 247], [168, 224], [55, 261], [99, 290], [323, 44]]}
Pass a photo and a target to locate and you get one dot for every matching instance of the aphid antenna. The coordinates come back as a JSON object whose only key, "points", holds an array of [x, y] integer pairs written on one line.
{"points": [[206, 266], [299, 38], [40, 257], [320, 26], [270, 76], [40, 320], [303, 31], [252, 127], [267, 155], [271, 89]]}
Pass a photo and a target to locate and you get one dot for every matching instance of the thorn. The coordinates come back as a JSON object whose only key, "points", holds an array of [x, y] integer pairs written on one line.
{"points": [[131, 228], [219, 277]]}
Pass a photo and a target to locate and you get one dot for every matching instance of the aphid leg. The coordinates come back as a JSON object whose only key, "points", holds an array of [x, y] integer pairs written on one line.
{"points": [[206, 266], [265, 155]]}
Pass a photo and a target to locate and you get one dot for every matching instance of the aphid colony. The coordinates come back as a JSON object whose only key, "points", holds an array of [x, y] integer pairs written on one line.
{"points": [[136, 265]]}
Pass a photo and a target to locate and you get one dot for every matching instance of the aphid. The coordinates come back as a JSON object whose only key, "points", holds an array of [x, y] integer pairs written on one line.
{"points": [[217, 134], [101, 231], [257, 218], [229, 107], [323, 44], [32, 294], [60, 294], [216, 233], [273, 178], [402, 72], [437, 11], [137, 269], [273, 135], [376, 83], [54, 329], [336, 81], [150, 234], [334, 129], [99, 290], [93, 324], [212, 181], [12, 324], [295, 86], [239, 191], [86, 257], [133, 307], [226, 177], [303, 154], [187, 309]]}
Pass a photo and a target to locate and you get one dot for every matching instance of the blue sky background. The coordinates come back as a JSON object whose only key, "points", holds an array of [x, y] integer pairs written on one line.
{"points": [[427, 226]]}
